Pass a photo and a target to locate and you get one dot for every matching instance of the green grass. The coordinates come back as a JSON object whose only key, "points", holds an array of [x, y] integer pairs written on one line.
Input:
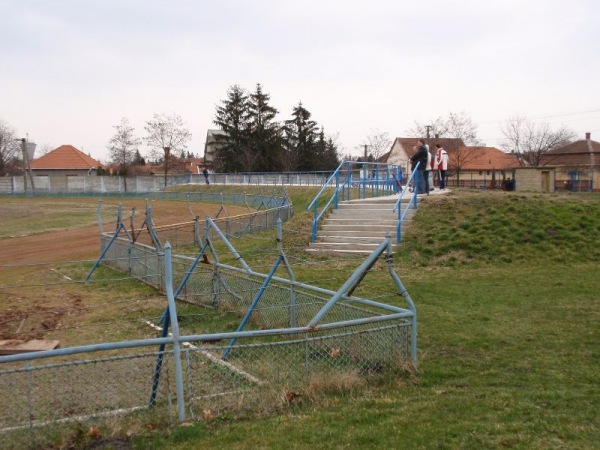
{"points": [[506, 287], [37, 217]]}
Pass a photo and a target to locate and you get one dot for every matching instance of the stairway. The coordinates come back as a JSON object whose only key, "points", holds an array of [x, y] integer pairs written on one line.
{"points": [[359, 226]]}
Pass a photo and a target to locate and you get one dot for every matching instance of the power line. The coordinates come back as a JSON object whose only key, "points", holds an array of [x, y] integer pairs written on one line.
{"points": [[589, 111]]}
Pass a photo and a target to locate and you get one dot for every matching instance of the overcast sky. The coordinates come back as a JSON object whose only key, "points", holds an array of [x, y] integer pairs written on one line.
{"points": [[70, 70]]}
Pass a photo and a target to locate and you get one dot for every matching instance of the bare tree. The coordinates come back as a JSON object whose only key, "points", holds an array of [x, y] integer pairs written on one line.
{"points": [[124, 144], [431, 128], [166, 131], [530, 141], [378, 143], [459, 158], [123, 147], [456, 125], [9, 148], [461, 126], [45, 148]]}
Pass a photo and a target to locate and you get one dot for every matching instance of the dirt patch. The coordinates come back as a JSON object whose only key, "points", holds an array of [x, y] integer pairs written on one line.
{"points": [[36, 297]]}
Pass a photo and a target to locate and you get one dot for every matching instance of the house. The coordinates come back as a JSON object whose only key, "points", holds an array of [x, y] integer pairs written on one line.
{"points": [[211, 146], [402, 149], [65, 161], [480, 166], [577, 165]]}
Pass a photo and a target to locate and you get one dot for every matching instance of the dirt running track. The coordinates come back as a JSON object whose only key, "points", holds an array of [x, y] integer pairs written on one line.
{"points": [[70, 245], [38, 311]]}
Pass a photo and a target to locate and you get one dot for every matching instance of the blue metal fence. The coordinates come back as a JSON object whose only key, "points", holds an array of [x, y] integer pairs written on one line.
{"points": [[298, 331]]}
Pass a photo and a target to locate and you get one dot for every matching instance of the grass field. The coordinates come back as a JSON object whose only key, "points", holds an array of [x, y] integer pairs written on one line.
{"points": [[507, 292]]}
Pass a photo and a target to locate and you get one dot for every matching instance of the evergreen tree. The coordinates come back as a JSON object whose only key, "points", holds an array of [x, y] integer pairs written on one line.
{"points": [[233, 118], [320, 147], [327, 157], [331, 159], [328, 153], [265, 142], [138, 160], [301, 138]]}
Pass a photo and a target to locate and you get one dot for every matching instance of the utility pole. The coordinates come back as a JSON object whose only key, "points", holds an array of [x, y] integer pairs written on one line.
{"points": [[167, 153], [429, 127], [366, 152], [27, 166]]}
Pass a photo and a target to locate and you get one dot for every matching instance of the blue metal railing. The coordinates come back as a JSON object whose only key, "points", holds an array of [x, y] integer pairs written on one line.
{"points": [[398, 207], [375, 179], [316, 178]]}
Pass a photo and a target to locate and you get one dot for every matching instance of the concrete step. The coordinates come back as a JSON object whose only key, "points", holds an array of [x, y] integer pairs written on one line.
{"points": [[359, 226], [329, 228], [367, 215], [387, 199], [352, 239], [344, 247], [373, 205]]}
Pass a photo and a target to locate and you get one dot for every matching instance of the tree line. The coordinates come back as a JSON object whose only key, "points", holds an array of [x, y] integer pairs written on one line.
{"points": [[251, 139], [524, 138]]}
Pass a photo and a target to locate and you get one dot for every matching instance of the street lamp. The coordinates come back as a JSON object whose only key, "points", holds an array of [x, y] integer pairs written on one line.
{"points": [[167, 153]]}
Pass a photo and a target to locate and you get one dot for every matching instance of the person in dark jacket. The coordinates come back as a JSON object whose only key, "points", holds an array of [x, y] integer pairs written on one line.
{"points": [[420, 157]]}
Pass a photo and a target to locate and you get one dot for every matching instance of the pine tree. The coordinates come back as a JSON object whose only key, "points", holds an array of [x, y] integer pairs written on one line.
{"points": [[138, 160], [301, 138], [233, 118], [327, 157], [265, 141], [331, 159]]}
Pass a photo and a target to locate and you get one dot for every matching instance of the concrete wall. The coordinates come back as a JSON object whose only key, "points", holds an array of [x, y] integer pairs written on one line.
{"points": [[92, 183], [532, 179]]}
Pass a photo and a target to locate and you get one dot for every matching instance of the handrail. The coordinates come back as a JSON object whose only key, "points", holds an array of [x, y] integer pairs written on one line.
{"points": [[317, 216], [402, 215], [325, 185], [378, 186]]}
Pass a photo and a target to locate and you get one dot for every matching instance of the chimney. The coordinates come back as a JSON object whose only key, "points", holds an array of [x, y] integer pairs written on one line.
{"points": [[588, 136], [437, 135]]}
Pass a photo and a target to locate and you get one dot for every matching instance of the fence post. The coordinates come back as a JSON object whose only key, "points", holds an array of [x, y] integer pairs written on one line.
{"points": [[175, 332]]}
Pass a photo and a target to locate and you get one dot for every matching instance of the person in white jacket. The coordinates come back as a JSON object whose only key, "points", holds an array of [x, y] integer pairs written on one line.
{"points": [[427, 171], [441, 164]]}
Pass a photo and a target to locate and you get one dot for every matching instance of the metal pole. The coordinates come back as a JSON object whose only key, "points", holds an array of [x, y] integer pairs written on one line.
{"points": [[260, 293], [175, 332], [231, 248], [351, 282], [167, 151]]}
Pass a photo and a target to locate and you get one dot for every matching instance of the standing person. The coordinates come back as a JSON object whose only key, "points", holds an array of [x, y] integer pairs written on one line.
{"points": [[420, 157], [205, 173], [427, 170], [434, 168], [441, 163]]}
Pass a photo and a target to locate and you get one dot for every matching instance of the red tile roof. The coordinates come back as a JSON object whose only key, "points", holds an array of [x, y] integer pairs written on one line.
{"points": [[483, 158], [408, 143], [582, 152], [65, 157]]}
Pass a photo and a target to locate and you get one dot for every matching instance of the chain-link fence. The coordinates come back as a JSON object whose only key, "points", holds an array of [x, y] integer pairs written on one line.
{"points": [[43, 402], [264, 211], [279, 352]]}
